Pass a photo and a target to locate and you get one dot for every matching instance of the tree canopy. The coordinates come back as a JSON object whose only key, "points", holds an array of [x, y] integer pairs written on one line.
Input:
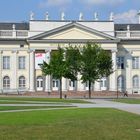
{"points": [[91, 61], [96, 63]]}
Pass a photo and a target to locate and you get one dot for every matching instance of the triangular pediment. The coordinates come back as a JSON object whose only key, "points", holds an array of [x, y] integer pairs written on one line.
{"points": [[73, 31]]}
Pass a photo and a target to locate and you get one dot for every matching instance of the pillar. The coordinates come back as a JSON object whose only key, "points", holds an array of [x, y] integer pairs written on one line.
{"points": [[48, 77], [97, 86], [113, 78], [32, 71], [128, 76], [1, 86], [14, 80]]}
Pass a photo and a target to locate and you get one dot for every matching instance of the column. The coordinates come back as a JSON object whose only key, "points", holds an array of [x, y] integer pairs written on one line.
{"points": [[14, 79], [32, 71], [113, 78], [1, 86], [128, 75], [80, 85], [97, 86], [48, 77], [64, 84]]}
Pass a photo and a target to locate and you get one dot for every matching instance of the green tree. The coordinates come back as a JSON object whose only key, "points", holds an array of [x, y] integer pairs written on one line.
{"points": [[61, 65], [96, 63], [73, 60], [56, 68]]}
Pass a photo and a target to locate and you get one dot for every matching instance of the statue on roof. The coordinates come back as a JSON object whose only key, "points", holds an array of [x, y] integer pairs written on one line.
{"points": [[47, 16], [62, 16], [96, 16], [111, 16], [31, 15], [81, 16]]}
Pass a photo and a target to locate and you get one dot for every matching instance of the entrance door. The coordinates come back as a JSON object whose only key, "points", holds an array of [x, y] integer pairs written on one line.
{"points": [[103, 84], [39, 83]]}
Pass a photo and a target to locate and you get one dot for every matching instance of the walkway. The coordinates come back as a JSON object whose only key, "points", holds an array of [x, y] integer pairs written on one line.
{"points": [[95, 103], [102, 103]]}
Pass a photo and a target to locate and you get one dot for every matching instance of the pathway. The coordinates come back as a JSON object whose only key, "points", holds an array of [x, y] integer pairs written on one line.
{"points": [[102, 103], [95, 103]]}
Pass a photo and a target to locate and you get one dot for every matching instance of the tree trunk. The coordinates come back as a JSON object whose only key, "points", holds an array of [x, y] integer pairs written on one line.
{"points": [[89, 86], [60, 88]]}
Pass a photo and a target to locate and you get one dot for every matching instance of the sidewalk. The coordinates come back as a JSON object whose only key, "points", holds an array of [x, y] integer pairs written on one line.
{"points": [[102, 103]]}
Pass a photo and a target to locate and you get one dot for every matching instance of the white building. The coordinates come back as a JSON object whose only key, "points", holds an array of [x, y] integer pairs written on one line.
{"points": [[23, 46]]}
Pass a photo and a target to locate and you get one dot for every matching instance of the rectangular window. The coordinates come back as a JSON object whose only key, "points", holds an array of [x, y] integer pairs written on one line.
{"points": [[6, 62], [120, 62], [21, 62], [135, 62]]}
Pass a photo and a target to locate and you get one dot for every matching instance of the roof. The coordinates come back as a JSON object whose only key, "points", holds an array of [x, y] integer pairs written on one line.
{"points": [[123, 27], [18, 26]]}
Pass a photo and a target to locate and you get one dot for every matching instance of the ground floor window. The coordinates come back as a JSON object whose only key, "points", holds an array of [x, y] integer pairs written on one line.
{"points": [[72, 85], [22, 82], [135, 81], [55, 83], [39, 83], [120, 82], [6, 82]]}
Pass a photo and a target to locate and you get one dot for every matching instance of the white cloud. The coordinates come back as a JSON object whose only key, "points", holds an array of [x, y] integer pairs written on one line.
{"points": [[103, 2], [49, 3], [127, 17]]}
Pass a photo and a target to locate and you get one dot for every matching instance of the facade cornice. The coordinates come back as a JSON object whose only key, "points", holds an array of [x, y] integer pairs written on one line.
{"points": [[129, 41], [74, 41]]}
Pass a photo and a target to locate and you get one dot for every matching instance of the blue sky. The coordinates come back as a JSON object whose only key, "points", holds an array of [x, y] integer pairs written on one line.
{"points": [[19, 10]]}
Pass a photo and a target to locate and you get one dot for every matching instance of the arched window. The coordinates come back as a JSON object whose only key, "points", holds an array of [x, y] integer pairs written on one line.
{"points": [[22, 82], [120, 82], [135, 81], [6, 82]]}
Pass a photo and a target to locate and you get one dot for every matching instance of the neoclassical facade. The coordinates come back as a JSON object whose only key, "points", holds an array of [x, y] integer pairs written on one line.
{"points": [[24, 46]]}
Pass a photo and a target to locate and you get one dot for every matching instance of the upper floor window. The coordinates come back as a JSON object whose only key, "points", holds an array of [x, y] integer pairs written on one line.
{"points": [[120, 62], [21, 62], [6, 82], [135, 62], [6, 62]]}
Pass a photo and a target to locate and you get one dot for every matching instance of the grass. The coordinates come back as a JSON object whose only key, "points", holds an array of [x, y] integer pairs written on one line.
{"points": [[25, 102], [43, 99], [70, 124], [6, 108], [128, 100]]}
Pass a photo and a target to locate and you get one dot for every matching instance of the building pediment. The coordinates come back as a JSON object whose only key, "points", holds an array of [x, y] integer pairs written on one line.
{"points": [[73, 31]]}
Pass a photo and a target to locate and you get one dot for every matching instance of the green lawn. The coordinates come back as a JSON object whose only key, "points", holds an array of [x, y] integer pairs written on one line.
{"points": [[128, 100], [70, 124], [5, 108], [43, 99], [27, 102]]}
